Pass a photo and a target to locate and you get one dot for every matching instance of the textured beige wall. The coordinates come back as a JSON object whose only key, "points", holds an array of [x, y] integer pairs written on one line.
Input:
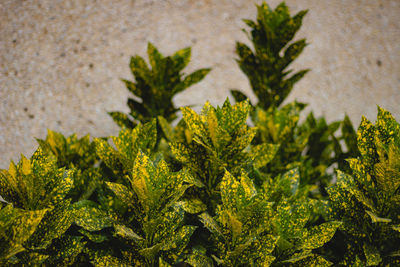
{"points": [[60, 61]]}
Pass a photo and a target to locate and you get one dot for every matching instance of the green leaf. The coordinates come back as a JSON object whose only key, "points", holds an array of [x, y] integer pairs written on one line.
{"points": [[180, 238], [353, 190], [60, 191], [143, 171], [89, 216], [238, 96], [191, 79], [166, 128], [396, 227], [387, 171], [319, 235], [194, 122], [388, 130], [53, 225], [290, 181], [182, 58], [123, 193], [121, 119], [94, 237], [193, 205], [297, 257], [154, 56], [140, 69], [128, 233], [376, 219], [109, 261], [139, 110], [292, 218], [155, 88], [230, 187], [292, 52], [262, 154], [365, 141], [65, 251], [107, 154], [17, 226], [300, 259], [163, 263], [372, 255], [151, 252], [210, 224], [264, 64], [198, 258]]}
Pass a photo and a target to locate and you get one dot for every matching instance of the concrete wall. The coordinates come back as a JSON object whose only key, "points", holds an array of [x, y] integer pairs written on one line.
{"points": [[60, 61]]}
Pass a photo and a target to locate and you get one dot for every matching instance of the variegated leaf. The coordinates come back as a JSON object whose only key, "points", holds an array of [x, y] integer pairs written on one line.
{"points": [[318, 235], [89, 216]]}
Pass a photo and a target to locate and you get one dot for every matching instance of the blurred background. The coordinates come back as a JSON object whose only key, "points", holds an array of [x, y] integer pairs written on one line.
{"points": [[61, 61]]}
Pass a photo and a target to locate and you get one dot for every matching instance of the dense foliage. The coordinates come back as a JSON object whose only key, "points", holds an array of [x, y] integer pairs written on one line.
{"points": [[238, 185], [154, 88]]}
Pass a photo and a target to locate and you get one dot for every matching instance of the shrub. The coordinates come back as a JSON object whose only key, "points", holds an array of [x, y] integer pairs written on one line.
{"points": [[155, 87], [35, 191], [367, 200], [242, 184]]}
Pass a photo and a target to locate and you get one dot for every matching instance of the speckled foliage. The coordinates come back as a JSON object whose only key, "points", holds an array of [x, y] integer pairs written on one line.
{"points": [[314, 145], [254, 227], [145, 216], [34, 192], [266, 66], [367, 200], [236, 185], [215, 140], [154, 88], [78, 155]]}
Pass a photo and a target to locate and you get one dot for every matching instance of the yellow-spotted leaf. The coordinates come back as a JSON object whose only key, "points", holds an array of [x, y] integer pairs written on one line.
{"points": [[229, 191], [290, 181], [376, 219], [107, 154], [16, 226], [142, 172], [151, 252], [179, 240], [194, 123], [166, 128], [89, 216], [109, 261], [155, 87], [372, 255], [262, 154], [318, 235], [162, 263], [60, 191], [210, 224], [128, 233], [292, 218], [65, 251], [123, 193], [193, 205], [153, 54], [92, 236], [182, 57], [53, 225]]}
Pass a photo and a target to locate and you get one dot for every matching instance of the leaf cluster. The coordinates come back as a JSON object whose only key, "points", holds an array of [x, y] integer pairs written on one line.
{"points": [[367, 198], [314, 146], [36, 214], [216, 140], [155, 86], [236, 185], [266, 65]]}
